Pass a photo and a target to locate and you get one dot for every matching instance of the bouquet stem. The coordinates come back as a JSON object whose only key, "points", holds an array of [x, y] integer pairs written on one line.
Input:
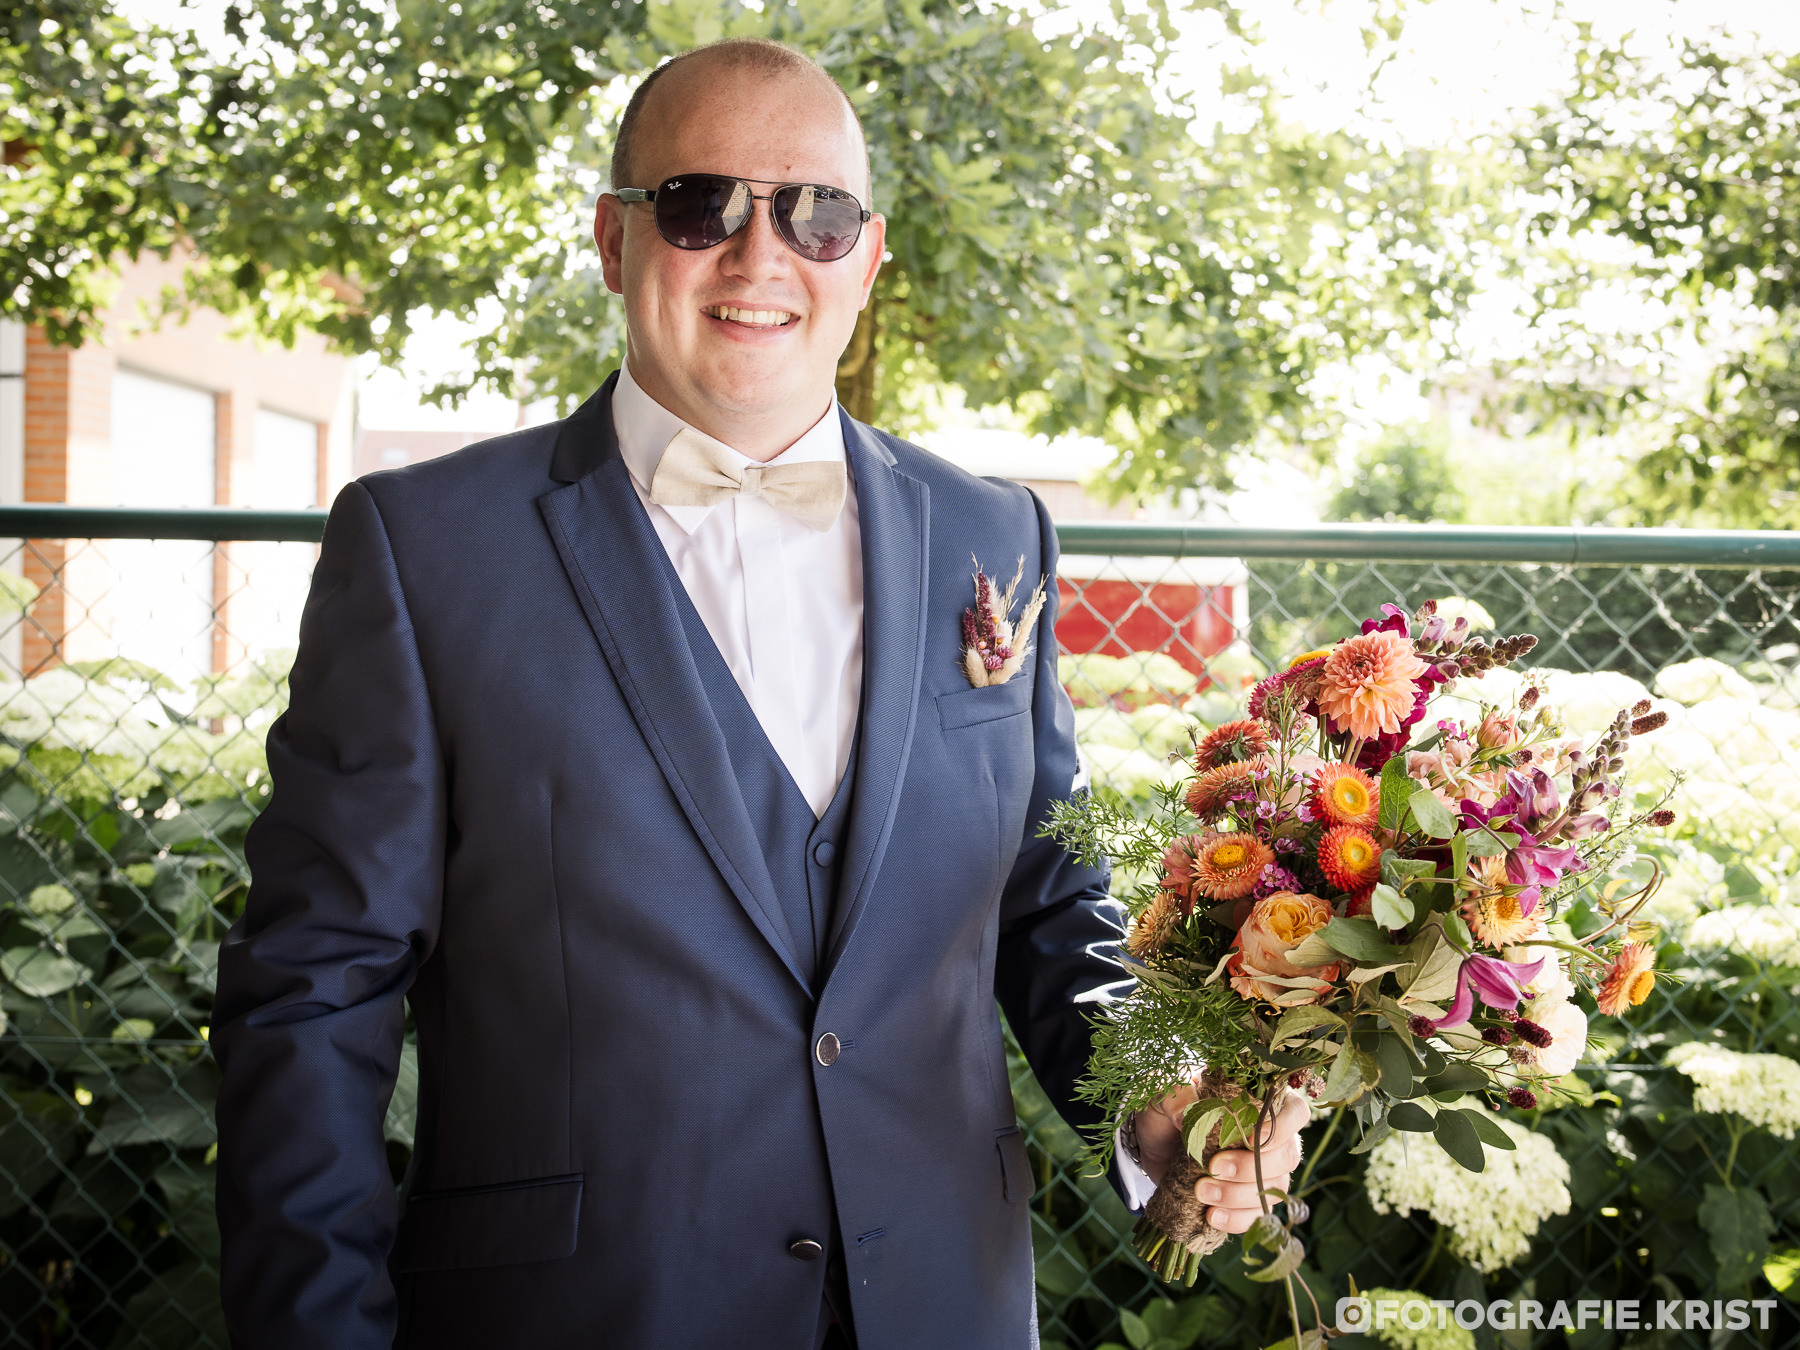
{"points": [[1173, 1236]]}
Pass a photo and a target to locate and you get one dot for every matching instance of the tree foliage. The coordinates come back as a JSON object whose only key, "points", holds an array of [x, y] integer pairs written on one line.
{"points": [[1060, 242], [1406, 475], [1695, 163]]}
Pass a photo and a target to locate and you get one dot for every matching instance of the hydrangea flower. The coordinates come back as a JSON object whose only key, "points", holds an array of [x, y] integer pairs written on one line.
{"points": [[1431, 1336], [1767, 933], [1491, 1216], [1761, 1089]]}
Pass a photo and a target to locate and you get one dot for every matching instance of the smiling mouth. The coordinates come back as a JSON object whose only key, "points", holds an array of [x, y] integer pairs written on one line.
{"points": [[752, 318]]}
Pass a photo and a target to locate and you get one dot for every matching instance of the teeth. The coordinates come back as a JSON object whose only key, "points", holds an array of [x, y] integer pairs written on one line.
{"points": [[773, 317]]}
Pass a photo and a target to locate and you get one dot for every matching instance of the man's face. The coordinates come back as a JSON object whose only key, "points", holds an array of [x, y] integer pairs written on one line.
{"points": [[747, 381]]}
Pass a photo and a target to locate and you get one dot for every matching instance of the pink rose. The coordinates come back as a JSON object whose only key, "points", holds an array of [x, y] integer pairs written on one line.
{"points": [[1276, 925], [1498, 731]]}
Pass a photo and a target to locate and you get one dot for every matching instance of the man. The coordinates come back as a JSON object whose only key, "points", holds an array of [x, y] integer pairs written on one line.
{"points": [[636, 750]]}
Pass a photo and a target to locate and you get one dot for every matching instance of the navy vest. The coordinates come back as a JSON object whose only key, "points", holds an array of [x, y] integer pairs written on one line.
{"points": [[804, 853]]}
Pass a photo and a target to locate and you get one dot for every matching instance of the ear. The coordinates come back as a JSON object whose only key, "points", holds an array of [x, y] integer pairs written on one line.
{"points": [[874, 238], [609, 236]]}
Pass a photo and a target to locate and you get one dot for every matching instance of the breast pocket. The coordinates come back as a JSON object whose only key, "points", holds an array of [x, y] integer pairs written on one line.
{"points": [[971, 707]]}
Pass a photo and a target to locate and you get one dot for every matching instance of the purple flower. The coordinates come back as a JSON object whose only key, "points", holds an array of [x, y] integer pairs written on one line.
{"points": [[1394, 622], [1265, 809], [1535, 864], [1585, 827], [1499, 984], [1304, 814], [1275, 878]]}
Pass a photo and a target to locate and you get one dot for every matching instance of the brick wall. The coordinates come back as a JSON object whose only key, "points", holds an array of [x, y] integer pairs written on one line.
{"points": [[67, 453]]}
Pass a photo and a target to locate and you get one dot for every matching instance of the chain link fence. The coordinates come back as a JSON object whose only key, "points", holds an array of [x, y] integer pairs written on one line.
{"points": [[140, 675]]}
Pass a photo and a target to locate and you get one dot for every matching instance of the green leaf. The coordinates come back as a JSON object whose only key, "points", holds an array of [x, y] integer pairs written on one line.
{"points": [[1486, 843], [1738, 1225], [1396, 1065], [1459, 856], [1398, 871], [1396, 790], [1297, 1021], [1284, 1263], [1198, 1124], [1488, 1130], [1239, 1123], [1390, 908], [1135, 1331], [38, 973], [1314, 950], [1180, 1325], [1411, 1116], [1432, 815], [1360, 940], [1344, 1081], [1457, 1136], [1458, 1078], [1782, 1271], [1376, 1133]]}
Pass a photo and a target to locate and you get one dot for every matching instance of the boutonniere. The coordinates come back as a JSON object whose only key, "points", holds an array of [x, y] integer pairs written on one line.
{"points": [[994, 646]]}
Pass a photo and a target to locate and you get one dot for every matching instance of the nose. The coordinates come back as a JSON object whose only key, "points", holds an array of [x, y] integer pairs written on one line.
{"points": [[757, 252]]}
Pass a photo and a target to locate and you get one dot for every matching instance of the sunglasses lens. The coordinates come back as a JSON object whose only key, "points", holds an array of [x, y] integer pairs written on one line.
{"points": [[701, 209], [820, 223]]}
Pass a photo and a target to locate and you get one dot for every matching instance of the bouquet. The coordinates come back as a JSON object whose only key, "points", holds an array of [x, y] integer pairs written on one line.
{"points": [[1343, 901]]}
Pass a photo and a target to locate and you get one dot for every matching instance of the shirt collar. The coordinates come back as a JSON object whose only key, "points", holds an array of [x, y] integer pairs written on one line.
{"points": [[645, 428]]}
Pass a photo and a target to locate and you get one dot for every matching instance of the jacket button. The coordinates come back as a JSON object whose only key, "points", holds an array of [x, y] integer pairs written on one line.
{"points": [[826, 1050], [823, 853], [805, 1250]]}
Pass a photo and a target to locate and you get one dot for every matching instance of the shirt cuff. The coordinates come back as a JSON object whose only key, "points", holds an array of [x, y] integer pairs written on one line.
{"points": [[1135, 1181]]}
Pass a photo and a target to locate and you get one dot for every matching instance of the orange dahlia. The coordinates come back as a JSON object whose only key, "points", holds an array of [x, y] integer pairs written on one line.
{"points": [[1628, 980], [1232, 743], [1216, 788], [1367, 686], [1350, 857], [1344, 795], [1228, 866], [1493, 913], [1153, 927]]}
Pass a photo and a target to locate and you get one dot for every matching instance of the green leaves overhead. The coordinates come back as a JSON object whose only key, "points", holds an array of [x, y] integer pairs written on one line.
{"points": [[1685, 157], [1060, 240]]}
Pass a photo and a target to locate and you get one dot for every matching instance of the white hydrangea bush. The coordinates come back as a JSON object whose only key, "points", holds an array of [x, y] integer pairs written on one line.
{"points": [[98, 737], [1490, 1216], [1763, 1090]]}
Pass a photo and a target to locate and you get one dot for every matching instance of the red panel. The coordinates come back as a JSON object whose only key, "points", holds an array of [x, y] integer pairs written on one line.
{"points": [[1116, 618]]}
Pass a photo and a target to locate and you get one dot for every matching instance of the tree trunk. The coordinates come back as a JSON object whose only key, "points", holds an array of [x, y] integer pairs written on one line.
{"points": [[858, 366]]}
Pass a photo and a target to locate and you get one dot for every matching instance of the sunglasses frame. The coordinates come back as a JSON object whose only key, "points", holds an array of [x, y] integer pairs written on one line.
{"points": [[649, 195]]}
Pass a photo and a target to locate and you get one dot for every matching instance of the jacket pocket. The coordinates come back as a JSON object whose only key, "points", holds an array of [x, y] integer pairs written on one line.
{"points": [[966, 707], [506, 1225], [1016, 1181]]}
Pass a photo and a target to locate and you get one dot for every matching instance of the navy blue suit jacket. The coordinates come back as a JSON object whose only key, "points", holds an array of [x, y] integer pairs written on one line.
{"points": [[499, 793]]}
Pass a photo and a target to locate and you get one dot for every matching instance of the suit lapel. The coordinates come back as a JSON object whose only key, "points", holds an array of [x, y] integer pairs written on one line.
{"points": [[895, 514], [617, 566]]}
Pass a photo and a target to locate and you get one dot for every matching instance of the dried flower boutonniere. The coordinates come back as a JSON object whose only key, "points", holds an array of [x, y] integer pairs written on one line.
{"points": [[994, 646]]}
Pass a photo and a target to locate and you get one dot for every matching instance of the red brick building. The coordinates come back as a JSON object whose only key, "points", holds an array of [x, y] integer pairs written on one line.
{"points": [[184, 414]]}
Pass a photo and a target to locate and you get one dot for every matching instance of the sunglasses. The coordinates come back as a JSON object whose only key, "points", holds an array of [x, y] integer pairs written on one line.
{"points": [[699, 210]]}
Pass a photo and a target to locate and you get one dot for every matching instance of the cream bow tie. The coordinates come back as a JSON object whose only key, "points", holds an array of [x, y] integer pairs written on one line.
{"points": [[696, 470]]}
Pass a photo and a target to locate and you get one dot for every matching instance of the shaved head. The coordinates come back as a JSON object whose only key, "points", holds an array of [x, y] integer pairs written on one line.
{"points": [[772, 61]]}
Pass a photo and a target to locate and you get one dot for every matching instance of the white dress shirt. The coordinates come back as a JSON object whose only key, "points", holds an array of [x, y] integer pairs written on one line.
{"points": [[783, 602]]}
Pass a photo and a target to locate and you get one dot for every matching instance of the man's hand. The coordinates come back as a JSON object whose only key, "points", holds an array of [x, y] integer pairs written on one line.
{"points": [[1229, 1192]]}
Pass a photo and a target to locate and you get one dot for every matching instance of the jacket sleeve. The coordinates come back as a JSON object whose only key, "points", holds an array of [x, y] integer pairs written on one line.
{"points": [[1059, 930], [347, 871]]}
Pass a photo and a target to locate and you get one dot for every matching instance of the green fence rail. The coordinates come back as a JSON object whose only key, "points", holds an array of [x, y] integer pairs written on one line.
{"points": [[140, 677]]}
